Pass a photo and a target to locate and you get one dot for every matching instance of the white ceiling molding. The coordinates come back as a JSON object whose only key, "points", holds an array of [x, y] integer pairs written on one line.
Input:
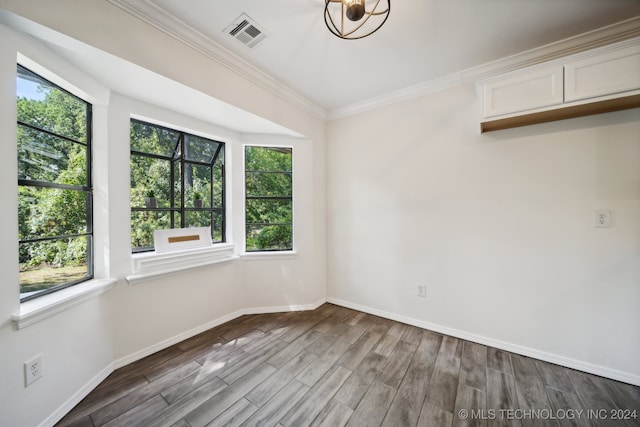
{"points": [[415, 91], [625, 30], [154, 15], [601, 37]]}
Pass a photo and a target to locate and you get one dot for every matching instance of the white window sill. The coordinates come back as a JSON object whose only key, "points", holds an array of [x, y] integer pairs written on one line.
{"points": [[267, 255], [152, 265], [40, 308]]}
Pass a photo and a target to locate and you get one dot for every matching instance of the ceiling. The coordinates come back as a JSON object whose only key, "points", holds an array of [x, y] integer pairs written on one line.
{"points": [[422, 40]]}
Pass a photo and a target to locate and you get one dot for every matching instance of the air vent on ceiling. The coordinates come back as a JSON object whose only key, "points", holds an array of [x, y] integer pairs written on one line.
{"points": [[246, 31]]}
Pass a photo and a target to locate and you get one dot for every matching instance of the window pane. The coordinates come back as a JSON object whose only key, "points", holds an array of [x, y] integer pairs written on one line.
{"points": [[199, 180], [151, 139], [142, 226], [177, 219], [200, 149], [52, 153], [50, 263], [269, 211], [180, 181], [47, 107], [269, 183], [270, 237], [151, 178], [197, 218], [177, 185], [217, 234], [268, 159], [218, 180], [48, 212], [43, 157], [268, 202]]}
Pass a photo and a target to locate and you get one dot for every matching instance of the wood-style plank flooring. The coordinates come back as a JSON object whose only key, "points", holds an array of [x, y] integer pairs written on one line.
{"points": [[335, 366]]}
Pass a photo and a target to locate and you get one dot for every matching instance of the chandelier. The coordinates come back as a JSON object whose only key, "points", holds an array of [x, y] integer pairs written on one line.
{"points": [[350, 19]]}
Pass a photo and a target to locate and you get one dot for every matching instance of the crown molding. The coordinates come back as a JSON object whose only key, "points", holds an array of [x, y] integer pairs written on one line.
{"points": [[411, 92], [147, 11], [600, 37], [572, 46]]}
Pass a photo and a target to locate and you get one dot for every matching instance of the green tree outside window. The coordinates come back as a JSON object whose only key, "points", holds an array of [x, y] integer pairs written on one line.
{"points": [[269, 198], [183, 173], [54, 186]]}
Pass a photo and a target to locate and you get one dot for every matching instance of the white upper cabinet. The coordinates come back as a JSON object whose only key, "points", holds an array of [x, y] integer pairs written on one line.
{"points": [[603, 74], [522, 91]]}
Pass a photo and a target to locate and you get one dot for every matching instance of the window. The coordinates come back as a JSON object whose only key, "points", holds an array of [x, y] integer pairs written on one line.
{"points": [[269, 199], [54, 186], [177, 181]]}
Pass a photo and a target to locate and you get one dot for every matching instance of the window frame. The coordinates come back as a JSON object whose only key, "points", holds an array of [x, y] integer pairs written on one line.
{"points": [[182, 209], [87, 189], [270, 252]]}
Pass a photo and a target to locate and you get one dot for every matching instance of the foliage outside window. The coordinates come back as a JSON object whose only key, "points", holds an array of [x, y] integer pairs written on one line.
{"points": [[177, 181], [269, 198], [54, 186]]}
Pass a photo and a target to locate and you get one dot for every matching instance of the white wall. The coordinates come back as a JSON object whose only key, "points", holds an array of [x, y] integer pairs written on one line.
{"points": [[187, 301], [302, 277], [497, 226], [151, 312], [85, 342], [77, 344]]}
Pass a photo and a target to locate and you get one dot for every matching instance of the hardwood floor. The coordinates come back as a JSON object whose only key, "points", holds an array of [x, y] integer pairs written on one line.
{"points": [[333, 367]]}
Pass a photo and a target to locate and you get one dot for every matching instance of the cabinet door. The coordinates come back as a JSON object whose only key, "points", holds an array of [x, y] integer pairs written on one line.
{"points": [[605, 74], [523, 91]]}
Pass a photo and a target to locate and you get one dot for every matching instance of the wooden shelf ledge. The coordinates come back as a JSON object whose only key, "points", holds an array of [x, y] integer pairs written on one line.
{"points": [[568, 112]]}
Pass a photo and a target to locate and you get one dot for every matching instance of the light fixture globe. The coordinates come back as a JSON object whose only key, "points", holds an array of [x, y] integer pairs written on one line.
{"points": [[355, 10], [350, 19]]}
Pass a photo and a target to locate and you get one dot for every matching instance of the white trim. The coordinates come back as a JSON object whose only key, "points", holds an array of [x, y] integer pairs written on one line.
{"points": [[77, 397], [40, 308], [197, 238], [285, 308], [123, 361], [159, 18], [502, 345], [147, 266], [50, 69], [574, 46], [411, 92], [265, 255]]}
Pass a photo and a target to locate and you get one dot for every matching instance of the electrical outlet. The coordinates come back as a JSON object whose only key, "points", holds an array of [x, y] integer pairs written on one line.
{"points": [[602, 218], [32, 370], [422, 291]]}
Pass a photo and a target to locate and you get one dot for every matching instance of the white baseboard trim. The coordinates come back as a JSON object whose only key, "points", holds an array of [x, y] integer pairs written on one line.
{"points": [[285, 308], [123, 361], [502, 345], [140, 354], [67, 406]]}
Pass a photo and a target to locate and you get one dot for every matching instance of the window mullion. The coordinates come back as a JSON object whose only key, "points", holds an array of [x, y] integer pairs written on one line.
{"points": [[172, 192], [48, 132], [224, 193], [182, 181]]}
